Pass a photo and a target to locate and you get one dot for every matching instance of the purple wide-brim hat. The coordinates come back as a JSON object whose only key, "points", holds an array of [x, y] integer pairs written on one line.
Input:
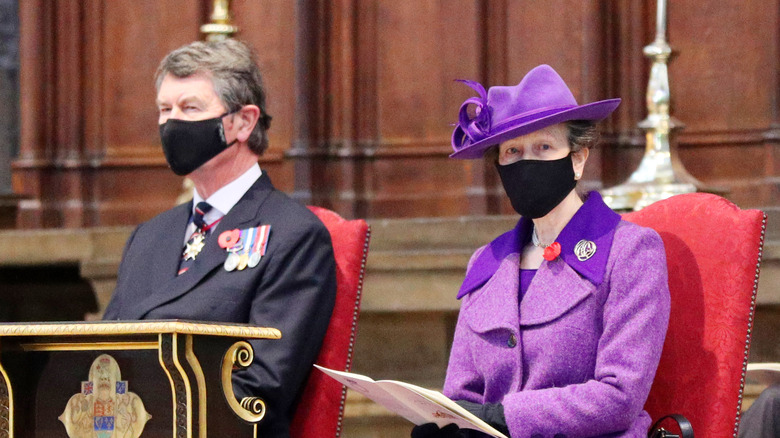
{"points": [[540, 100]]}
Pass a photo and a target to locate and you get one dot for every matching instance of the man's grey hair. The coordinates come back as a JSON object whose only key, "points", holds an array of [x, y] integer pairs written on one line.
{"points": [[233, 70]]}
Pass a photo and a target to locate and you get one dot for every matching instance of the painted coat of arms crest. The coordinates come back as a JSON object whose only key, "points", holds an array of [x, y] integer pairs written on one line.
{"points": [[104, 408]]}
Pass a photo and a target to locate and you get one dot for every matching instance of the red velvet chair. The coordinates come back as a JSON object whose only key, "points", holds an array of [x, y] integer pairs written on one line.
{"points": [[713, 252], [321, 408]]}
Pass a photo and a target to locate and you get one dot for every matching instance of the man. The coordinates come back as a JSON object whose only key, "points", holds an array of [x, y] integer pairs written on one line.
{"points": [[762, 419], [249, 254]]}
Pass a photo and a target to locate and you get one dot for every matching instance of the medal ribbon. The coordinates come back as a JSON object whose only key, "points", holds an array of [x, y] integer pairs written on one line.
{"points": [[211, 225], [258, 236], [242, 242], [264, 231], [250, 237]]}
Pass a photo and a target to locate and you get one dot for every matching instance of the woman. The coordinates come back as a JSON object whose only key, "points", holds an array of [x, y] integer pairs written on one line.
{"points": [[563, 318]]}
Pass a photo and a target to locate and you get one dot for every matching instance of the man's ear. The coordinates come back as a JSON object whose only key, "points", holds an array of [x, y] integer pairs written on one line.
{"points": [[578, 160], [245, 119]]}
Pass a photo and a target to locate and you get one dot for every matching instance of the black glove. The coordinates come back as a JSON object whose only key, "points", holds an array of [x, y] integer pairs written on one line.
{"points": [[431, 430], [490, 413]]}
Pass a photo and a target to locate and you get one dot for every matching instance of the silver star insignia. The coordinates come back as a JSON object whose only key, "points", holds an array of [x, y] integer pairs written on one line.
{"points": [[194, 247]]}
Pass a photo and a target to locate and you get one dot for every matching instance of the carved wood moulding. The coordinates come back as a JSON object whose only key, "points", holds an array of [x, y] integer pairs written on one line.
{"points": [[363, 97]]}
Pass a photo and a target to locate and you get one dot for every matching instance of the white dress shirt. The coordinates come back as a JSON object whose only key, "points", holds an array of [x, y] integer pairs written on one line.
{"points": [[225, 198]]}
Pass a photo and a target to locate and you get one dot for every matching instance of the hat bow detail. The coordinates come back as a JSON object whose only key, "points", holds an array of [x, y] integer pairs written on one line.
{"points": [[479, 126]]}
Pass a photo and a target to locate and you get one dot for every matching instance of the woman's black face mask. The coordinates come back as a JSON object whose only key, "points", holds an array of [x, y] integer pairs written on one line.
{"points": [[188, 144], [535, 187]]}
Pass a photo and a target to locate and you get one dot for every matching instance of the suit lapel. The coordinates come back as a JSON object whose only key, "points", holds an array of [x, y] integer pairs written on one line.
{"points": [[243, 215], [161, 261]]}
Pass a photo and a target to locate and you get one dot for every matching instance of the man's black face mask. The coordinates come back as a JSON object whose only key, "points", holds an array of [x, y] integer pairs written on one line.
{"points": [[189, 144]]}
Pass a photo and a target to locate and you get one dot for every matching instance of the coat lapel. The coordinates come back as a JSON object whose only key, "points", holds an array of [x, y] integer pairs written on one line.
{"points": [[558, 285], [492, 256], [495, 305], [555, 289], [243, 215], [495, 286]]}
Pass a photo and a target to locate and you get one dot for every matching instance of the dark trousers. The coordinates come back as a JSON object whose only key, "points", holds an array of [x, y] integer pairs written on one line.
{"points": [[762, 419]]}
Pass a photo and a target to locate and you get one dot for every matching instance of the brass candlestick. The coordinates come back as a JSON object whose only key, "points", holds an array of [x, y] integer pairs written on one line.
{"points": [[221, 26], [661, 174]]}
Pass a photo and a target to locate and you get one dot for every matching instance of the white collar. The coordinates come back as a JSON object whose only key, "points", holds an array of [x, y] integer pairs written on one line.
{"points": [[228, 196]]}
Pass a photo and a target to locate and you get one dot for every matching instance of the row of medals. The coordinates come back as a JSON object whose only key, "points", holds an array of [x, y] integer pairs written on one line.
{"points": [[236, 261]]}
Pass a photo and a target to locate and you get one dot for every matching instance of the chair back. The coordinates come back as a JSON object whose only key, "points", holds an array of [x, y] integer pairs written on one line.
{"points": [[320, 411], [713, 251]]}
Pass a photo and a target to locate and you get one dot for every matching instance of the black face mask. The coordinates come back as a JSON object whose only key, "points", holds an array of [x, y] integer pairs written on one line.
{"points": [[189, 144], [535, 187]]}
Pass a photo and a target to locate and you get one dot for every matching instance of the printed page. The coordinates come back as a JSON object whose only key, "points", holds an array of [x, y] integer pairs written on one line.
{"points": [[416, 404], [368, 387], [450, 411], [765, 373]]}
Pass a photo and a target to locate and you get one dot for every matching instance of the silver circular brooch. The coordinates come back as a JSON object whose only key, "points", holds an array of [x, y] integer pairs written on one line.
{"points": [[584, 249]]}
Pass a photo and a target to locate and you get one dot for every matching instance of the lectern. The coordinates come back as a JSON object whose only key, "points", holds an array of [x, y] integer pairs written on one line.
{"points": [[125, 379]]}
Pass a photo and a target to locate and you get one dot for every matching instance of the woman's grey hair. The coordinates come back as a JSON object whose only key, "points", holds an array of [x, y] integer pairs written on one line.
{"points": [[233, 70], [581, 134]]}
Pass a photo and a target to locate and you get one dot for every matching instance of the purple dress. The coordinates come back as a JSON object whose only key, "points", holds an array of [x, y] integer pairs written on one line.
{"points": [[577, 356]]}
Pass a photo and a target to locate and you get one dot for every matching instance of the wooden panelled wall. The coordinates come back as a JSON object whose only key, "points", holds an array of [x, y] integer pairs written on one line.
{"points": [[363, 98]]}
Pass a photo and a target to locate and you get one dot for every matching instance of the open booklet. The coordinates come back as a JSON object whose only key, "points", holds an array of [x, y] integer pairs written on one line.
{"points": [[416, 404], [765, 373]]}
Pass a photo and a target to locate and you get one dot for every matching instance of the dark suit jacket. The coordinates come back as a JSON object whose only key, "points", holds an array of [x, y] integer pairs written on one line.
{"points": [[293, 288]]}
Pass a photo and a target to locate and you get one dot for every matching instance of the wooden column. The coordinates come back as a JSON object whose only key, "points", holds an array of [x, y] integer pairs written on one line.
{"points": [[89, 148], [335, 118], [485, 192], [36, 126], [354, 134], [627, 32], [307, 133], [51, 160]]}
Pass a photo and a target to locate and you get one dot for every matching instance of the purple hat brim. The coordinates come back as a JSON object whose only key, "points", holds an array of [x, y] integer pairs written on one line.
{"points": [[594, 111]]}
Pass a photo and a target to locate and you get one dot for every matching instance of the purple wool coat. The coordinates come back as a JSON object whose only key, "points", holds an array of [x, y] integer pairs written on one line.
{"points": [[577, 356]]}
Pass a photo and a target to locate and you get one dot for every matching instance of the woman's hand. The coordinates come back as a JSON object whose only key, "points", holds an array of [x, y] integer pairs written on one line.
{"points": [[490, 413], [431, 430]]}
